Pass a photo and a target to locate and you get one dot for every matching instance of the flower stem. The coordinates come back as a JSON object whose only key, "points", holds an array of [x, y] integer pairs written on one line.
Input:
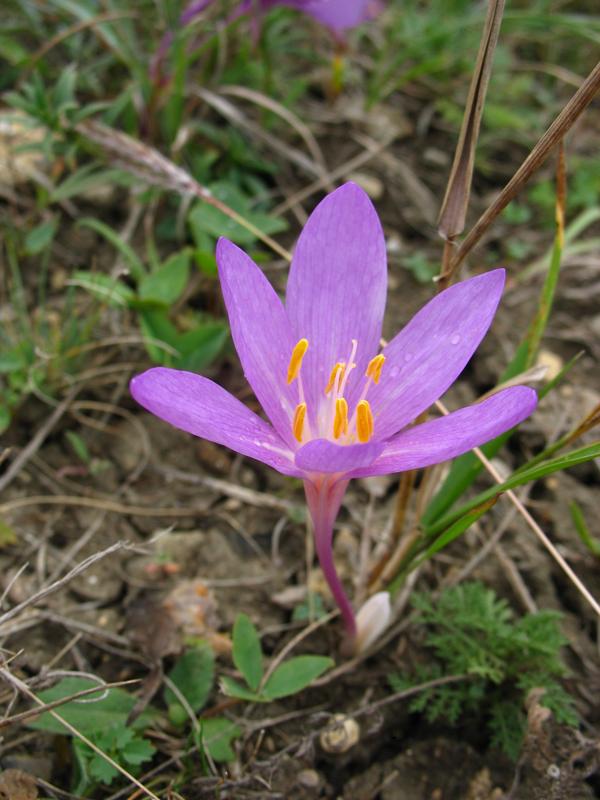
{"points": [[324, 498]]}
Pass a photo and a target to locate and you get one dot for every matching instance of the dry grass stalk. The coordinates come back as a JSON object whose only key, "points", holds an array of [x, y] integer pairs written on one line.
{"points": [[152, 167], [53, 587], [555, 133], [451, 221]]}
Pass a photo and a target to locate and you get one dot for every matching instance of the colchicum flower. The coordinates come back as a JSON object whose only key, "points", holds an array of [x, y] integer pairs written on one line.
{"points": [[337, 15], [337, 407]]}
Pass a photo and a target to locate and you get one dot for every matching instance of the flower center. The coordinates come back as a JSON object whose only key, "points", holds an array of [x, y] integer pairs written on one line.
{"points": [[333, 420]]}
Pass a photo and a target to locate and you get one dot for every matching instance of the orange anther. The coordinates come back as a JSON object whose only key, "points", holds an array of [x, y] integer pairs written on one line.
{"points": [[339, 369], [375, 367], [340, 421], [298, 423], [364, 421], [296, 359]]}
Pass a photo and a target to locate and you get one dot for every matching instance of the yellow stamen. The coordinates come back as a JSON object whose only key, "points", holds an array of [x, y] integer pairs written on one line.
{"points": [[339, 368], [375, 367], [364, 421], [340, 421], [298, 423], [296, 359]]}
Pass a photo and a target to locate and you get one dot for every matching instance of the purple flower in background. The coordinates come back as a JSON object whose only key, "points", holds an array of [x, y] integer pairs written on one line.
{"points": [[337, 408], [338, 15]]}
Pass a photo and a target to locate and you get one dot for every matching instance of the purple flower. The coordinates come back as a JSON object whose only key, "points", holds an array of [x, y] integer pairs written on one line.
{"points": [[338, 15], [337, 408]]}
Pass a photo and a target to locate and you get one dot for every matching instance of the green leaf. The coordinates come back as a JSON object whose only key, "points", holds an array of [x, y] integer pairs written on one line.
{"points": [[101, 770], [98, 712], [85, 180], [108, 290], [157, 327], [507, 725], [135, 264], [166, 285], [232, 688], [79, 446], [40, 237], [81, 777], [581, 526], [137, 751], [205, 219], [217, 735], [193, 675], [247, 652], [12, 50], [5, 417], [199, 348], [295, 674], [523, 475], [443, 540]]}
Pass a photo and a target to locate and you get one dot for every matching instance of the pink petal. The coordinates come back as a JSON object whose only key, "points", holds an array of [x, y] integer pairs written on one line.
{"points": [[321, 455], [337, 286], [261, 333], [338, 15], [197, 405], [448, 437], [431, 351]]}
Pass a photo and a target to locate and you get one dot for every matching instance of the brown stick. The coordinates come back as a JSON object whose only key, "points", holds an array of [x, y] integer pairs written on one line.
{"points": [[454, 206], [563, 123]]}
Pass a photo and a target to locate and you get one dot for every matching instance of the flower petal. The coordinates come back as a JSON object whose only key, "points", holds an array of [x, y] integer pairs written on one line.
{"points": [[261, 333], [429, 353], [321, 455], [337, 286], [199, 406], [450, 436], [335, 14]]}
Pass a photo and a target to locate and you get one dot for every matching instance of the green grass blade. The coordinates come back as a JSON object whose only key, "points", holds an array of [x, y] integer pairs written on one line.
{"points": [[592, 544], [135, 265], [525, 475]]}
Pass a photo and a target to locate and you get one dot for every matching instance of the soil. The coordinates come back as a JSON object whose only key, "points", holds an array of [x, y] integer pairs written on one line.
{"points": [[210, 534]]}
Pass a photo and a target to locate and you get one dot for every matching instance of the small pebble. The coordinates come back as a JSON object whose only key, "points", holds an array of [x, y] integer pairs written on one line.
{"points": [[342, 734], [309, 778]]}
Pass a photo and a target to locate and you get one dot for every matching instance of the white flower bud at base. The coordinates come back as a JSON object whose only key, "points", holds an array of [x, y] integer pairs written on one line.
{"points": [[372, 619]]}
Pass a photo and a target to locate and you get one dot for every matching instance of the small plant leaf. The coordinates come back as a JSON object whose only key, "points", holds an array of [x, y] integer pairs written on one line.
{"points": [[84, 180], [199, 347], [109, 707], [108, 290], [193, 675], [137, 751], [296, 674], [247, 652], [100, 770], [232, 688], [166, 285], [217, 735], [40, 237], [135, 265]]}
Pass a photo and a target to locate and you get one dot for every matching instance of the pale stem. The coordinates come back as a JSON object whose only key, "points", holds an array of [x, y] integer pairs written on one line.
{"points": [[324, 497]]}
